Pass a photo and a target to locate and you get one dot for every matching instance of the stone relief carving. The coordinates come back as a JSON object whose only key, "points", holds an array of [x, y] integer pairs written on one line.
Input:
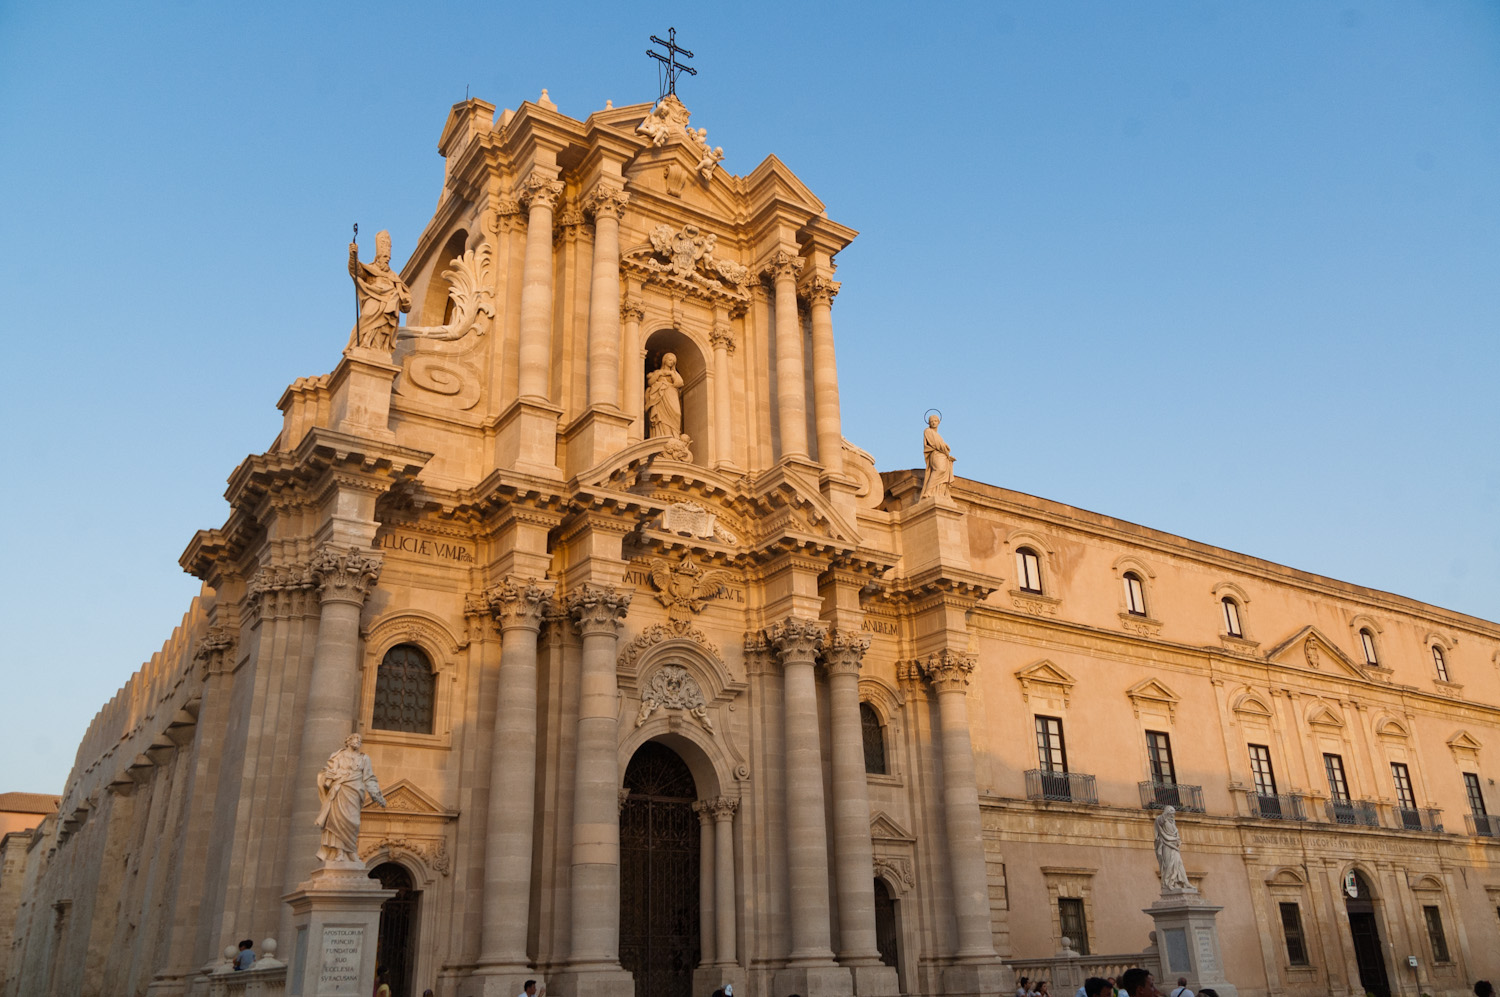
{"points": [[656, 633], [671, 687], [348, 575], [678, 448], [469, 281], [692, 520], [432, 852], [685, 588], [444, 359], [216, 650], [690, 255], [381, 295], [895, 870], [668, 121]]}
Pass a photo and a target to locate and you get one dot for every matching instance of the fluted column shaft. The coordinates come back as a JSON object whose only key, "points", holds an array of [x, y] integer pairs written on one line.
{"points": [[854, 857], [791, 370], [540, 194], [724, 934], [706, 863], [723, 343], [518, 607], [826, 419], [798, 642], [631, 314], [595, 886], [949, 673], [344, 578], [607, 202]]}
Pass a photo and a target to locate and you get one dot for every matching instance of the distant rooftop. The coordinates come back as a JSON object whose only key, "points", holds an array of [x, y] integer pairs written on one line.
{"points": [[29, 803]]}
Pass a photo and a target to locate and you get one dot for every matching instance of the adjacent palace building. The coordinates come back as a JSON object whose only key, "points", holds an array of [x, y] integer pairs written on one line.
{"points": [[668, 687]]}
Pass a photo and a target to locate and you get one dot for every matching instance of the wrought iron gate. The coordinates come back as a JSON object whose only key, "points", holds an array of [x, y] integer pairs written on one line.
{"points": [[659, 874], [396, 951]]}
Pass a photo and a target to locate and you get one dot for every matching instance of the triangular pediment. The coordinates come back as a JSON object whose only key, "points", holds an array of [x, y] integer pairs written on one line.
{"points": [[1045, 672], [1310, 648], [1465, 746], [1152, 692], [884, 828], [403, 797], [1320, 715], [774, 180]]}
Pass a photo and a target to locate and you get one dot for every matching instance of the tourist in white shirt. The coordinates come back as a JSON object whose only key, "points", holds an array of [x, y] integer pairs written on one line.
{"points": [[1181, 990]]}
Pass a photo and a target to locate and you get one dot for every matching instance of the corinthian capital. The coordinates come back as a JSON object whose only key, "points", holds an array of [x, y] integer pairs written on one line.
{"points": [[598, 609], [783, 264], [797, 641], [345, 575], [722, 807], [540, 190], [607, 199], [519, 603], [722, 335], [632, 310], [843, 651], [949, 670], [821, 289], [216, 650]]}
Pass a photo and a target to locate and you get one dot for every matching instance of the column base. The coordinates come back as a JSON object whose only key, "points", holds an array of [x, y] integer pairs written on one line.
{"points": [[875, 979], [526, 438], [986, 978], [605, 981], [814, 981], [707, 979]]}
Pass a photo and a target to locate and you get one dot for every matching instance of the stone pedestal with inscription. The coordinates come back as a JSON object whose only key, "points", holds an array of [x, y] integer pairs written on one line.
{"points": [[1188, 940], [335, 920]]}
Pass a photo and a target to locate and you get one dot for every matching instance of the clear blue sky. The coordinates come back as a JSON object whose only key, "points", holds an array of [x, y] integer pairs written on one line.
{"points": [[1228, 270]]}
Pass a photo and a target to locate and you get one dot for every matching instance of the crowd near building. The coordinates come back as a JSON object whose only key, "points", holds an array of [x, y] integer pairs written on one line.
{"points": [[667, 687]]}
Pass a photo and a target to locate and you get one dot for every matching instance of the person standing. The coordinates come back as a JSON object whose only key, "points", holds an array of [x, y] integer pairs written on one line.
{"points": [[1181, 990], [529, 989], [1138, 982], [246, 957]]}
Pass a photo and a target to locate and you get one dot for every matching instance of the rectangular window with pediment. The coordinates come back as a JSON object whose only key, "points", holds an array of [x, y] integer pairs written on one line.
{"points": [[1051, 754], [1260, 768]]}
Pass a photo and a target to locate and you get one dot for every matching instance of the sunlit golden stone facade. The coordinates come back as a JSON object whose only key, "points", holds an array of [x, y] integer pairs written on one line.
{"points": [[667, 686]]}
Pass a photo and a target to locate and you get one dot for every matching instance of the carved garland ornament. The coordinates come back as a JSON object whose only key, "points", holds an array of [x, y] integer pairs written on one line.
{"points": [[656, 633], [672, 688], [433, 853], [896, 871]]}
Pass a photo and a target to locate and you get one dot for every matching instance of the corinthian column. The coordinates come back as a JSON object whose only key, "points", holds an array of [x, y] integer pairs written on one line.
{"points": [[723, 809], [722, 338], [631, 313], [607, 203], [821, 290], [518, 607], [344, 577], [791, 373], [798, 642], [598, 612], [706, 861], [948, 671], [854, 862], [539, 193]]}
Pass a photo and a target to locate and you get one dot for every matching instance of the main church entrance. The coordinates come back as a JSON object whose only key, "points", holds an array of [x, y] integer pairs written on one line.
{"points": [[659, 874], [396, 949], [1365, 930]]}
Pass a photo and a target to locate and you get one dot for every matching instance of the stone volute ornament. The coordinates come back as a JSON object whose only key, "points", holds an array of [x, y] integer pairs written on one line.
{"points": [[381, 295], [470, 282], [346, 575], [215, 650], [598, 608], [949, 670], [938, 484], [540, 190], [520, 603], [1169, 854], [606, 198], [685, 588], [797, 641], [672, 687], [844, 650], [342, 785]]}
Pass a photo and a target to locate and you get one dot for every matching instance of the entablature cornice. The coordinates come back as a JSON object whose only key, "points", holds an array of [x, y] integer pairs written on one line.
{"points": [[939, 583]]}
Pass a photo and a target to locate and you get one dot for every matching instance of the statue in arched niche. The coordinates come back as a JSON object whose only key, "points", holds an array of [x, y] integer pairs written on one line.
{"points": [[664, 399]]}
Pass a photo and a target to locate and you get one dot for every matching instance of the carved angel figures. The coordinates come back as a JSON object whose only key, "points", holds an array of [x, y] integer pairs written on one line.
{"points": [[664, 399], [1169, 854], [939, 481], [342, 785], [382, 296]]}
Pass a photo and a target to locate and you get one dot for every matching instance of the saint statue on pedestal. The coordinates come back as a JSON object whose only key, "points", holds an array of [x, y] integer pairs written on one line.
{"points": [[1169, 854], [939, 481], [342, 785], [381, 294]]}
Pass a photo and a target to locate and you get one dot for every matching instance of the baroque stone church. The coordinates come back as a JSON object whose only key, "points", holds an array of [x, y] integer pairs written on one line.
{"points": [[668, 687]]}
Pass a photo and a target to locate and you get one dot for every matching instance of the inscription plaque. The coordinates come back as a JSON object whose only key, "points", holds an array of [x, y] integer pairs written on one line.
{"points": [[339, 972], [1208, 960], [1178, 957]]}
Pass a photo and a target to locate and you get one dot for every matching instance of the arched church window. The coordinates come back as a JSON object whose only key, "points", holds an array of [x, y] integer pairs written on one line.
{"points": [[404, 688], [1028, 570], [1367, 644], [1135, 594], [1232, 617], [1440, 663], [874, 740]]}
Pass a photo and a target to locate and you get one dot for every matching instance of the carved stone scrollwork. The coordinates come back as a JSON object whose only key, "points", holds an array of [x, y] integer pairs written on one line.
{"points": [[279, 591], [797, 641], [606, 198], [520, 603], [821, 289], [722, 337], [433, 853], [632, 310], [760, 657], [894, 870], [723, 807], [216, 650], [347, 575], [598, 609], [843, 651], [949, 670], [672, 687], [658, 632], [684, 588], [783, 264], [705, 815], [540, 190]]}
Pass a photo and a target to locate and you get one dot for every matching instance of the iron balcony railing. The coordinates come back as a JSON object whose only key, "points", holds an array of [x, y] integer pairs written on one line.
{"points": [[1483, 825], [1359, 813], [1276, 806], [1418, 819], [1156, 795], [1062, 787]]}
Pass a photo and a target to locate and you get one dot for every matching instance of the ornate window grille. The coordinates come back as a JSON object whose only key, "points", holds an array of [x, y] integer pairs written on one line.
{"points": [[404, 691]]}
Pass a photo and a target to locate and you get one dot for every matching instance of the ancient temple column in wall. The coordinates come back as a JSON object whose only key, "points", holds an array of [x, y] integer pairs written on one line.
{"points": [[722, 339], [607, 203], [791, 375], [706, 863], [821, 290], [949, 671], [854, 861], [631, 313], [723, 809], [539, 193], [797, 642], [598, 612], [518, 606], [344, 578]]}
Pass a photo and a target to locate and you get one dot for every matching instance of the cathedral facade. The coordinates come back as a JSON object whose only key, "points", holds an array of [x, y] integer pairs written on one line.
{"points": [[668, 687]]}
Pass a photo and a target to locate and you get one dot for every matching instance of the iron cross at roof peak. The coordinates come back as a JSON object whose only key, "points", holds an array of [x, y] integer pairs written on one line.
{"points": [[670, 64]]}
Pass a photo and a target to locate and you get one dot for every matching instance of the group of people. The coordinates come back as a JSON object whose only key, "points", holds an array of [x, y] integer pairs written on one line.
{"points": [[1132, 983]]}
